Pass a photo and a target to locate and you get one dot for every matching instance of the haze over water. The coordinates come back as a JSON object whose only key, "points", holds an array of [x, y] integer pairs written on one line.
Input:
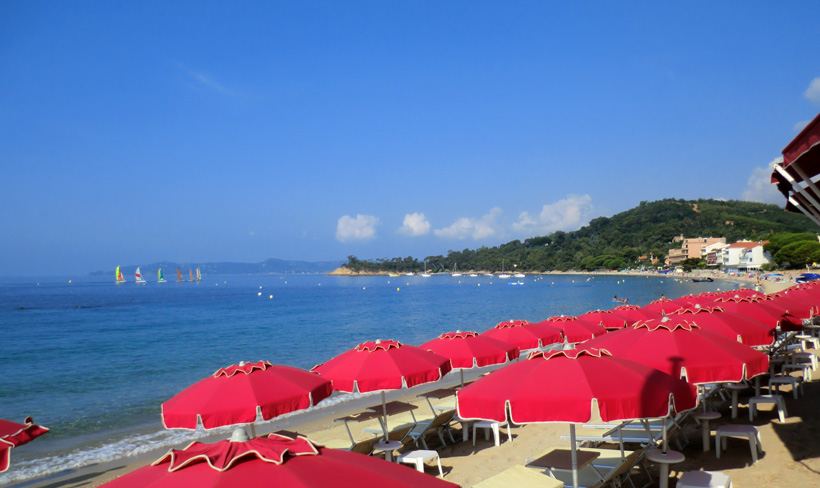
{"points": [[93, 361]]}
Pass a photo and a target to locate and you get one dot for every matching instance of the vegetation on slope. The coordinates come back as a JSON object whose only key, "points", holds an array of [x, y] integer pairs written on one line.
{"points": [[624, 240]]}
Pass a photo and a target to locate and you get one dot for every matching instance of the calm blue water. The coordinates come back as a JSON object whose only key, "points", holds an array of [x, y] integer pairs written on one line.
{"points": [[93, 360]]}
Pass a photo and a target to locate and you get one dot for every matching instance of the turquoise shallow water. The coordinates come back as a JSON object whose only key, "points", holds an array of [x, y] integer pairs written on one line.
{"points": [[93, 360]]}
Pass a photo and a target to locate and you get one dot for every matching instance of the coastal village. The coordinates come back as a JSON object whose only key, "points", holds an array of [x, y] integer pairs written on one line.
{"points": [[734, 258]]}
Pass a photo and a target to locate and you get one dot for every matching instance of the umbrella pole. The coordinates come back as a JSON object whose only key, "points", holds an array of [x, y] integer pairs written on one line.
{"points": [[574, 456], [384, 411], [462, 376]]}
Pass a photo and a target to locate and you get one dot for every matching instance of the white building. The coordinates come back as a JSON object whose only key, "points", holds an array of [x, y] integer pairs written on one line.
{"points": [[743, 256]]}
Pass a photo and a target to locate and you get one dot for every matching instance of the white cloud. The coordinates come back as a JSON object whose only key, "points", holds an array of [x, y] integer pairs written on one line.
{"points": [[486, 226], [415, 225], [361, 228], [567, 214], [813, 91], [760, 187]]}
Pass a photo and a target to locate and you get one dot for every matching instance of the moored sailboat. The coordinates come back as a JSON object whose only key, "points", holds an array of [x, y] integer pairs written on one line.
{"points": [[139, 277], [120, 277], [503, 275]]}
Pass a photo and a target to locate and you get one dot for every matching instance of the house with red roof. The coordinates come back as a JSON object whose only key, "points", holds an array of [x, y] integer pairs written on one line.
{"points": [[743, 256]]}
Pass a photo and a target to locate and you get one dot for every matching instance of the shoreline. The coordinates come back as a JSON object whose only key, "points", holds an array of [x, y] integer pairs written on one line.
{"points": [[315, 421]]}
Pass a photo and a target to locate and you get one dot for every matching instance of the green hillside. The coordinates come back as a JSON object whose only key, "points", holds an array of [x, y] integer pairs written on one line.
{"points": [[614, 242]]}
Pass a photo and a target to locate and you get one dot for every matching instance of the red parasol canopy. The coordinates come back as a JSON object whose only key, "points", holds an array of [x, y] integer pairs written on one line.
{"points": [[798, 306], [383, 365], [276, 461], [13, 434], [471, 350], [663, 306], [240, 393], [575, 329], [525, 335], [734, 326], [566, 386], [765, 311], [677, 346]]}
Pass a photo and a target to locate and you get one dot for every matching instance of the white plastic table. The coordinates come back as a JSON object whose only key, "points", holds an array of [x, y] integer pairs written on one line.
{"points": [[388, 448], [735, 388], [664, 459], [704, 418]]}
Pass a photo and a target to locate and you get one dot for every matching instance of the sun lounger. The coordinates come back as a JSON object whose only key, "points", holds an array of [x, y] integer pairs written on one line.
{"points": [[608, 466], [520, 477], [435, 426]]}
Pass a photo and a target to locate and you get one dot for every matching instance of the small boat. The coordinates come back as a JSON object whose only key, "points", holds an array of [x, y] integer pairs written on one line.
{"points": [[425, 274], [520, 275], [473, 275], [160, 277], [503, 275], [139, 277], [393, 275], [455, 270], [488, 275], [702, 280], [198, 275], [179, 275], [190, 275], [410, 274], [120, 277]]}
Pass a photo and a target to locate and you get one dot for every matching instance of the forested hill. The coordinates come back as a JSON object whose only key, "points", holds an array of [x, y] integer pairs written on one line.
{"points": [[613, 242]]}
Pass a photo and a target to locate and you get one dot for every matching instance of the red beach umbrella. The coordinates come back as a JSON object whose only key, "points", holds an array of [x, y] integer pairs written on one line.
{"points": [[605, 318], [663, 306], [793, 305], [525, 335], [634, 314], [470, 350], [734, 326], [272, 462], [567, 386], [239, 394], [13, 434], [383, 365], [677, 346], [760, 309], [575, 329]]}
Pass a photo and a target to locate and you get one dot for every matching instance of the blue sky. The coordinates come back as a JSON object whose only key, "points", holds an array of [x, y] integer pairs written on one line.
{"points": [[134, 132]]}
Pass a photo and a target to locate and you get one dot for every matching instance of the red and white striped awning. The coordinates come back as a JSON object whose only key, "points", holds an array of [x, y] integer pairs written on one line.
{"points": [[796, 176]]}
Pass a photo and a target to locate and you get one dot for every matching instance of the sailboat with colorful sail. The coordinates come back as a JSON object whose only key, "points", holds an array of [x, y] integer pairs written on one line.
{"points": [[179, 275], [190, 275], [198, 275], [139, 277], [160, 277], [120, 277]]}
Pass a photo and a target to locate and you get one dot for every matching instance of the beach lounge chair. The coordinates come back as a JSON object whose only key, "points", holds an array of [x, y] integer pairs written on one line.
{"points": [[611, 466], [520, 477], [435, 426]]}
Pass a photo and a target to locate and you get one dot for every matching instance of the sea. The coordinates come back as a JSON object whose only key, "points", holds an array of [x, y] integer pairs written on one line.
{"points": [[93, 360]]}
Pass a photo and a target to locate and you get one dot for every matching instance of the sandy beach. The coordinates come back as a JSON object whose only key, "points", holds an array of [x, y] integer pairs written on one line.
{"points": [[791, 450]]}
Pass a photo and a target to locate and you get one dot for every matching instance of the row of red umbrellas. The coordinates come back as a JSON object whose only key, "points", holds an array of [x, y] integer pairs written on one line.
{"points": [[389, 365]]}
